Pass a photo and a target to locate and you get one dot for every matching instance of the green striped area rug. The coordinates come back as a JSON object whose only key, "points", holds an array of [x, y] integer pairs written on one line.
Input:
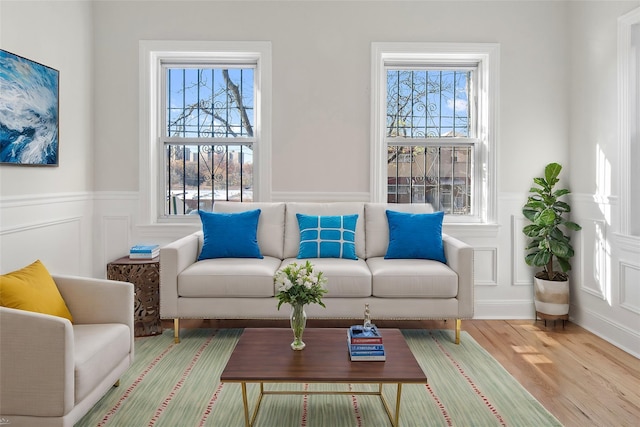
{"points": [[178, 385]]}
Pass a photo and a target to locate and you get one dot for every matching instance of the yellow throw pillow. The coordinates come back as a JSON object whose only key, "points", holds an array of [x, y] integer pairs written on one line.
{"points": [[32, 288]]}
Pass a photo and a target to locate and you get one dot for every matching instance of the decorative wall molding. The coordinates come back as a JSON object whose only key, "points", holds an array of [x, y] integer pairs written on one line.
{"points": [[504, 309], [36, 225], [618, 334], [43, 199], [594, 258], [522, 274], [629, 290], [58, 243], [485, 266]]}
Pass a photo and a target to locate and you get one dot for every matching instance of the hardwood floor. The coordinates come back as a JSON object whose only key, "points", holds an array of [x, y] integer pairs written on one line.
{"points": [[580, 378]]}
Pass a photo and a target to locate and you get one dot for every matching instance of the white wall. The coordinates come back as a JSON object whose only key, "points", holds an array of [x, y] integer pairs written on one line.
{"points": [[606, 292], [551, 109], [46, 212]]}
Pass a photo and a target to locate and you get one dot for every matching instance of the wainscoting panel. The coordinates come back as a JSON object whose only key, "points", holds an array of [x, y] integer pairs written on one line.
{"points": [[116, 232], [629, 287], [594, 258], [522, 273], [485, 266], [54, 228], [56, 243]]}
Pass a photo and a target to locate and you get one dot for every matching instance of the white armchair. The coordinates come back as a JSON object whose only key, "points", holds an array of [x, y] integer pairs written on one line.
{"points": [[52, 371]]}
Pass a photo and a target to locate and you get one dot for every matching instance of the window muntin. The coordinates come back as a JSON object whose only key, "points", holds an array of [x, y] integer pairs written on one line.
{"points": [[208, 135], [431, 136]]}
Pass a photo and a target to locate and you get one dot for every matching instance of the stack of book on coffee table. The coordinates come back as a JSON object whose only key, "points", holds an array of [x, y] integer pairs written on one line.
{"points": [[365, 344]]}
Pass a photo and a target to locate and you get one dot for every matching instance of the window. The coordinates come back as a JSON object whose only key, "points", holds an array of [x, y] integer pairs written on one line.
{"points": [[433, 127], [207, 137]]}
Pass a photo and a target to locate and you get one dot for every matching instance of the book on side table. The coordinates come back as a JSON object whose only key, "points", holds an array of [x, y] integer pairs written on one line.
{"points": [[365, 344], [144, 251]]}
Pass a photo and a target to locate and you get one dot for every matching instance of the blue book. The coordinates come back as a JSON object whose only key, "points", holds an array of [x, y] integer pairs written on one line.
{"points": [[143, 249], [368, 353], [367, 347]]}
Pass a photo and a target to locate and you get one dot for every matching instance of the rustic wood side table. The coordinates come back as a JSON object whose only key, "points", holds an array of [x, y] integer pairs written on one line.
{"points": [[145, 275]]}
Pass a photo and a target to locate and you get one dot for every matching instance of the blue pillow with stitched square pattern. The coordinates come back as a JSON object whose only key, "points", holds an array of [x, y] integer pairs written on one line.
{"points": [[414, 236], [327, 236], [230, 235]]}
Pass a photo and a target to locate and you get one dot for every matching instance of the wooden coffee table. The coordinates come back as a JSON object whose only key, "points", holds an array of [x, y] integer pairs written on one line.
{"points": [[263, 355]]}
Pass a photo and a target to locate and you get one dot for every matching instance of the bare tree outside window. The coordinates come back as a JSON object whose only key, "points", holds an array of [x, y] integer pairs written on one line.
{"points": [[209, 136], [429, 124]]}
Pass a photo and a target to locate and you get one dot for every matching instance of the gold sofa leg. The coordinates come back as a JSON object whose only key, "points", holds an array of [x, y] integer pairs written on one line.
{"points": [[117, 384], [458, 327], [176, 330]]}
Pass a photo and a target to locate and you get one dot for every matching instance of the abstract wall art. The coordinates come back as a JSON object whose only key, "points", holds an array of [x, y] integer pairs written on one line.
{"points": [[29, 107]]}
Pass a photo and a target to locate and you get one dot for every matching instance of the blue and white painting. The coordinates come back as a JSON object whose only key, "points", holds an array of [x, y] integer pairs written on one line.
{"points": [[28, 112]]}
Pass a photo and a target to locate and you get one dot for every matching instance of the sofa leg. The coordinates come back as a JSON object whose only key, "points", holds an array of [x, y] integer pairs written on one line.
{"points": [[176, 330], [458, 327], [117, 384]]}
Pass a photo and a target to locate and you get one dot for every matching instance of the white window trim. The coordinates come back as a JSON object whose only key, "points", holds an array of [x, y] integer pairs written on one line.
{"points": [[629, 108], [151, 53], [488, 57]]}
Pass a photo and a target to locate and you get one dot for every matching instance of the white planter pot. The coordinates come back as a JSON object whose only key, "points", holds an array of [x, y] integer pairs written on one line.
{"points": [[551, 299]]}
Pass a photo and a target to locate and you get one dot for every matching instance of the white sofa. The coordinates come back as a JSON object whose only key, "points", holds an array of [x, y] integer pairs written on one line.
{"points": [[52, 371], [243, 288]]}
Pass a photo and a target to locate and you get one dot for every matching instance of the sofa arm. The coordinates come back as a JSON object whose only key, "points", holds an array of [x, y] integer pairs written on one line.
{"points": [[36, 364], [460, 258], [174, 258], [93, 301]]}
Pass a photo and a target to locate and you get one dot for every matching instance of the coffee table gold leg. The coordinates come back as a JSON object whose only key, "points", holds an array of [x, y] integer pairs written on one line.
{"points": [[246, 404], [398, 397]]}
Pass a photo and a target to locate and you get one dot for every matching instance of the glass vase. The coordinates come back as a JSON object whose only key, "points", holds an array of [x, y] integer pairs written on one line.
{"points": [[298, 318]]}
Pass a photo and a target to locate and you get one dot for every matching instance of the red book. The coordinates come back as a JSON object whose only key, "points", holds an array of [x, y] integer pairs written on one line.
{"points": [[357, 335]]}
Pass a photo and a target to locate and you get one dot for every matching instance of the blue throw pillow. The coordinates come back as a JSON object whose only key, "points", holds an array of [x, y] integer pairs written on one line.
{"points": [[415, 236], [327, 236], [230, 235]]}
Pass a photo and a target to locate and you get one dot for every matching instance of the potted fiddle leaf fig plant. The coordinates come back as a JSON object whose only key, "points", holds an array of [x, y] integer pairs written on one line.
{"points": [[550, 244]]}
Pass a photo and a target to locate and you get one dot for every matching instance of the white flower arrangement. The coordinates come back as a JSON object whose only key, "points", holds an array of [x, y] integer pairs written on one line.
{"points": [[299, 285]]}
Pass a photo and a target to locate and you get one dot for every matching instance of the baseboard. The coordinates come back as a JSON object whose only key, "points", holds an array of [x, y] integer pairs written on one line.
{"points": [[504, 309], [611, 331]]}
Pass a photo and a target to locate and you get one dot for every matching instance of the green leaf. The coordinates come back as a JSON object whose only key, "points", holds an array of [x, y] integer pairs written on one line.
{"points": [[529, 213], [564, 264], [572, 226], [531, 230], [541, 258], [542, 183], [561, 207], [551, 173], [559, 249], [561, 192], [546, 217], [529, 259]]}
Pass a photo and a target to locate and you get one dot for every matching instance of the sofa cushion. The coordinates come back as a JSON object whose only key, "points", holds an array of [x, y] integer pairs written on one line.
{"points": [[230, 235], [98, 349], [270, 224], [415, 236], [292, 231], [412, 278], [327, 236], [377, 226], [346, 278], [229, 277], [33, 289]]}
